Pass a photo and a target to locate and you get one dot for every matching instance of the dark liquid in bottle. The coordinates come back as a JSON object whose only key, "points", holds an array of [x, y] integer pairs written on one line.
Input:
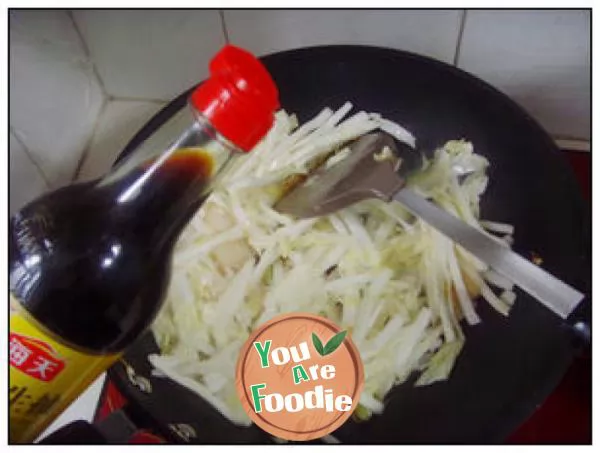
{"points": [[94, 270]]}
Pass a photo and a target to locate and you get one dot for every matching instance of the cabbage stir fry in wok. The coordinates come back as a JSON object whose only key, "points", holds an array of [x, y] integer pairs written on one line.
{"points": [[398, 286]]}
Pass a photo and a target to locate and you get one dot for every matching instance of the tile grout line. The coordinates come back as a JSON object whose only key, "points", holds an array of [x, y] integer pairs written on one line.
{"points": [[224, 26], [15, 134], [105, 98], [86, 50], [86, 149], [134, 99], [461, 31]]}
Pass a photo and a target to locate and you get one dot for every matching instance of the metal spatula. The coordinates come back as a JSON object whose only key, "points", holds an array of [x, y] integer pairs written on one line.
{"points": [[370, 171]]}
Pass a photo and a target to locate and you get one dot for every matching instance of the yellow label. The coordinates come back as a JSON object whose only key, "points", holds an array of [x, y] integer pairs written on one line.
{"points": [[45, 376]]}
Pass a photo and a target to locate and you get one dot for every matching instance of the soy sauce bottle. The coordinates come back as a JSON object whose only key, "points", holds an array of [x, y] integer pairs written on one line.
{"points": [[89, 264]]}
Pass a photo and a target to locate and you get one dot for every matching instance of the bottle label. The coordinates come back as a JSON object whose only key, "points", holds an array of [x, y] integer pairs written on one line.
{"points": [[45, 375]]}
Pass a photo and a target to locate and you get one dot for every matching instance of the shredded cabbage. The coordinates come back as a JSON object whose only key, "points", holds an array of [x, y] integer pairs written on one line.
{"points": [[398, 286]]}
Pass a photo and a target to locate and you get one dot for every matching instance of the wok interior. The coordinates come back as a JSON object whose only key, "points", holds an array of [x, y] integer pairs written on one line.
{"points": [[507, 367]]}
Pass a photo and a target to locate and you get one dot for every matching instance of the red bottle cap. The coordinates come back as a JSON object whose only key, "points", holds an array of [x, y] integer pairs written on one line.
{"points": [[239, 98]]}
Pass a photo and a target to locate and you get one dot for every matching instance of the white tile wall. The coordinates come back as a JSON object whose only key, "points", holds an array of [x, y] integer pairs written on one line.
{"points": [[539, 58], [54, 95], [118, 123], [432, 33], [151, 54], [26, 180]]}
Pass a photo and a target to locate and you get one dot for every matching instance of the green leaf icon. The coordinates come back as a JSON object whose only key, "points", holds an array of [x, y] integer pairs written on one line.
{"points": [[317, 343], [334, 343], [331, 345]]}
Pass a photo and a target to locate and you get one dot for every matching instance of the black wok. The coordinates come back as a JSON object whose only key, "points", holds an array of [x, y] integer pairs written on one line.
{"points": [[509, 366]]}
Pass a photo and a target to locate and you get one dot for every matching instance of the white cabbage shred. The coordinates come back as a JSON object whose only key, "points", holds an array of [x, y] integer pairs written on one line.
{"points": [[399, 287]]}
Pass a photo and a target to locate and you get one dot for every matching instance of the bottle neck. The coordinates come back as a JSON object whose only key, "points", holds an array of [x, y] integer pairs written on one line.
{"points": [[157, 194]]}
